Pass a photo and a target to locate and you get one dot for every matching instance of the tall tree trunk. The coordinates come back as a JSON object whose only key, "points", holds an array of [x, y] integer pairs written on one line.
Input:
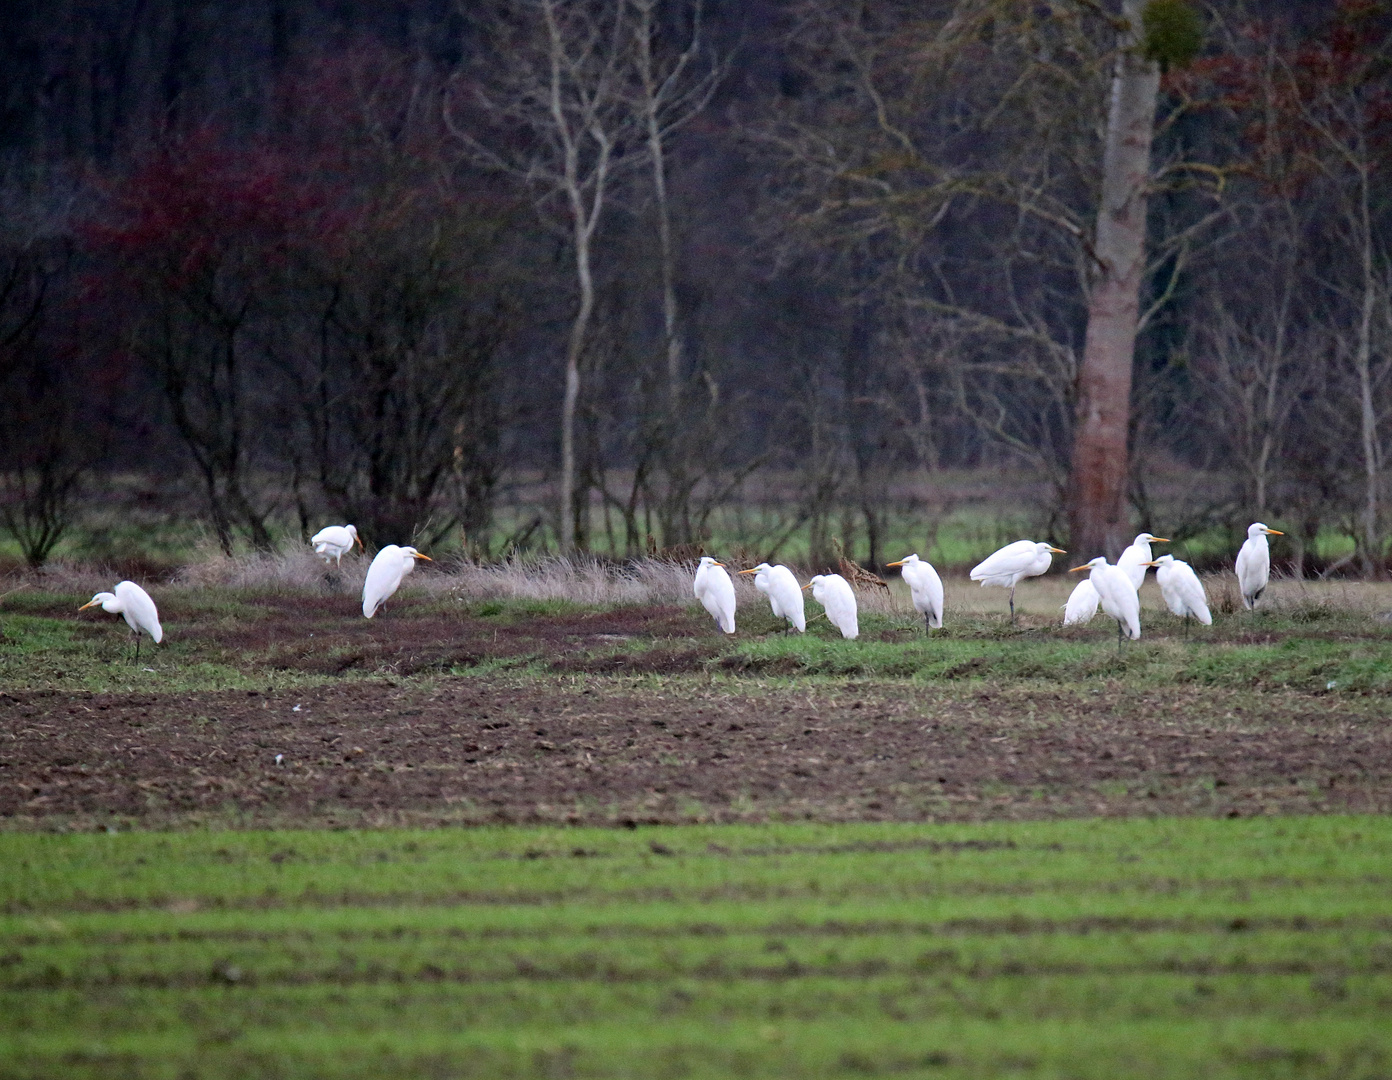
{"points": [[1097, 518], [1363, 362]]}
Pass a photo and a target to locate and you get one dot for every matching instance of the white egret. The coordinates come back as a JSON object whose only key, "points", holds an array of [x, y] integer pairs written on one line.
{"points": [[1137, 557], [1119, 599], [1082, 604], [926, 588], [384, 575], [1182, 590], [335, 542], [130, 600], [716, 592], [1013, 563], [1254, 563], [837, 598], [784, 594]]}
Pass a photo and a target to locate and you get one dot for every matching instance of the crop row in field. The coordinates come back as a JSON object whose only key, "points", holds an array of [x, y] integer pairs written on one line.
{"points": [[1163, 948]]}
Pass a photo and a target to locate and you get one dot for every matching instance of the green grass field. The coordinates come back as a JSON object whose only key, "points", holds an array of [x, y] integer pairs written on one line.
{"points": [[1163, 948]]}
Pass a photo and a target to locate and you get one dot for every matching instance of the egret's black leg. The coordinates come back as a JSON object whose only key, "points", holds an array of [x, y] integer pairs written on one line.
{"points": [[1012, 605], [1118, 637], [137, 647]]}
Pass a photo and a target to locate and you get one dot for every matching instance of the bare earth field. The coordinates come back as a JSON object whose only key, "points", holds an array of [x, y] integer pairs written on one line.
{"points": [[642, 715]]}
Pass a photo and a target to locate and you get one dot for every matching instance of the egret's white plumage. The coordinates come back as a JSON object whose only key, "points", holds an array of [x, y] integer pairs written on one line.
{"points": [[716, 592], [335, 541], [1254, 563], [1135, 560], [837, 598], [783, 592], [1118, 597], [130, 600], [1013, 563], [384, 575], [1082, 604], [926, 588], [1183, 591]]}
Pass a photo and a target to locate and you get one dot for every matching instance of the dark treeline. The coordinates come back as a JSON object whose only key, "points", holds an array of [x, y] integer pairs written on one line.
{"points": [[612, 263]]}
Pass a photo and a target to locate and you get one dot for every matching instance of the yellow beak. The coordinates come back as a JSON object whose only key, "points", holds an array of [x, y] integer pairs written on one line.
{"points": [[1275, 532], [1158, 540], [807, 586], [755, 571], [358, 541], [1075, 569], [90, 603], [899, 563], [1058, 551], [427, 558]]}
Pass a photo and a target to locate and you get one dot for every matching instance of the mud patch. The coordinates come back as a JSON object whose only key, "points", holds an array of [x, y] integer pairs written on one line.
{"points": [[461, 749]]}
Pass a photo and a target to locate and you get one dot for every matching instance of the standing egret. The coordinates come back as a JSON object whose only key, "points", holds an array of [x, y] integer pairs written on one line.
{"points": [[1136, 558], [1013, 563], [1182, 590], [837, 598], [130, 600], [784, 595], [1254, 563], [925, 587], [1082, 604], [716, 592], [1119, 599], [384, 575], [335, 542]]}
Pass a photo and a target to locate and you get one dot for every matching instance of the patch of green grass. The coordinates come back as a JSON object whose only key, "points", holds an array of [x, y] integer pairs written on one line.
{"points": [[993, 651], [1161, 948]]}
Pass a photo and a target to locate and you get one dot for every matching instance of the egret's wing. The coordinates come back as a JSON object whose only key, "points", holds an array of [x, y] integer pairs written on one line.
{"points": [[1010, 559]]}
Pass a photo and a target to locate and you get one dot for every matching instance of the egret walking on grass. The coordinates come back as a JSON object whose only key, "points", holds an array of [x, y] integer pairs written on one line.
{"points": [[335, 542], [783, 592], [384, 575], [130, 600], [926, 588], [1136, 558], [837, 598], [716, 592], [1118, 598], [1013, 563], [1182, 590], [1254, 563]]}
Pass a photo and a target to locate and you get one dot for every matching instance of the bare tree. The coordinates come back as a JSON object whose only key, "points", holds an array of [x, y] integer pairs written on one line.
{"points": [[1097, 512], [556, 111]]}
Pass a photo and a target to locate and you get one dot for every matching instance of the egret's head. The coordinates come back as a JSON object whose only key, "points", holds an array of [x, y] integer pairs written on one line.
{"points": [[707, 560], [1148, 538], [817, 579], [1101, 560], [907, 560], [1041, 548], [1257, 529], [762, 568], [412, 553], [353, 529], [102, 598], [1164, 560]]}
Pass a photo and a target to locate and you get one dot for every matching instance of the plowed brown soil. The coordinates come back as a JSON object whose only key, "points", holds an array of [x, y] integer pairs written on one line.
{"points": [[620, 750]]}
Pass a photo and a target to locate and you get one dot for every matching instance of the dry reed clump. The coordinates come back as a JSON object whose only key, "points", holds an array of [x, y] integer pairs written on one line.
{"points": [[291, 569], [58, 576], [577, 579]]}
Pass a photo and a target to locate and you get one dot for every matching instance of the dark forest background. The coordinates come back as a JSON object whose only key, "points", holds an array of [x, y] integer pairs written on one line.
{"points": [[271, 264]]}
